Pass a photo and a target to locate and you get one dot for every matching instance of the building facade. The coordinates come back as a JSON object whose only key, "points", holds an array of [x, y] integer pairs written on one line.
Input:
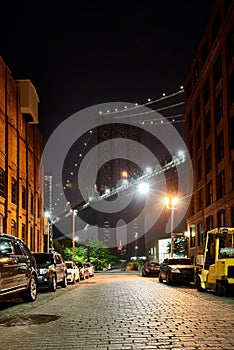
{"points": [[21, 196], [209, 127]]}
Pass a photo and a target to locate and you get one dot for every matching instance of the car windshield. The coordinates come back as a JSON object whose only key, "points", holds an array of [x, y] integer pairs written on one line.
{"points": [[44, 258], [180, 261], [69, 265]]}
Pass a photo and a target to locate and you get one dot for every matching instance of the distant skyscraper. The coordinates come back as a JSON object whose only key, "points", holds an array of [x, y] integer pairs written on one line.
{"points": [[48, 192]]}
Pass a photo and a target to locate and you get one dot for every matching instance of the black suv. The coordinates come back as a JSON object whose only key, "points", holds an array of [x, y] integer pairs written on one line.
{"points": [[177, 270], [51, 270], [18, 270]]}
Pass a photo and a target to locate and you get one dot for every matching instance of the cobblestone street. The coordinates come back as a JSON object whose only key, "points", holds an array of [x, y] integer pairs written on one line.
{"points": [[121, 311]]}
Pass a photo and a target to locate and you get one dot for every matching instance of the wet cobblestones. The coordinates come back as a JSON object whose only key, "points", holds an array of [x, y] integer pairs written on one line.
{"points": [[123, 312]]}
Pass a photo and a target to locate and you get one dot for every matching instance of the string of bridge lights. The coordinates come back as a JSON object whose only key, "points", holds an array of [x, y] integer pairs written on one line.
{"points": [[176, 118], [149, 102]]}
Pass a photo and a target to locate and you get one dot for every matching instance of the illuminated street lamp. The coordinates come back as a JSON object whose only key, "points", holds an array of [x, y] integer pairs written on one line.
{"points": [[143, 187], [172, 204], [124, 174]]}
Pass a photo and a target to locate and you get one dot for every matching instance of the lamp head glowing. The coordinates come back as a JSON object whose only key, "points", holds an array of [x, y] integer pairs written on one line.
{"points": [[143, 187]]}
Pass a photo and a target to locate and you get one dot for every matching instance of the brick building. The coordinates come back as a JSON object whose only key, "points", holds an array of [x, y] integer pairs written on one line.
{"points": [[209, 127], [21, 199]]}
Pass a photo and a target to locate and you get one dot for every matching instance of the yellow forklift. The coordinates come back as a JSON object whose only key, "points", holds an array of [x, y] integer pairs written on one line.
{"points": [[217, 273]]}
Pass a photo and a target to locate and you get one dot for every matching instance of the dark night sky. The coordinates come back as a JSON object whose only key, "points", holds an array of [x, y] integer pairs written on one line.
{"points": [[81, 55]]}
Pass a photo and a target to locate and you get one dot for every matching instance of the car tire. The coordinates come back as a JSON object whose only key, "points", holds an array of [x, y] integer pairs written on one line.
{"points": [[64, 283], [160, 278], [53, 285], [31, 293], [168, 279]]}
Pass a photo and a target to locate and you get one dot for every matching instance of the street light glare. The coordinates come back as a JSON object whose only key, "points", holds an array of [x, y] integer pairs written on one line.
{"points": [[124, 174], [143, 187], [171, 202], [174, 201]]}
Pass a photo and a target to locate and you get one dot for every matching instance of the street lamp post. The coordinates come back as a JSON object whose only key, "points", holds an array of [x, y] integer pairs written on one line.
{"points": [[47, 220], [87, 241], [172, 204], [73, 231]]}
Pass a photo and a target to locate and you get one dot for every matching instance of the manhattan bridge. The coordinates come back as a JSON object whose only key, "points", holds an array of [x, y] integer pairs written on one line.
{"points": [[114, 193]]}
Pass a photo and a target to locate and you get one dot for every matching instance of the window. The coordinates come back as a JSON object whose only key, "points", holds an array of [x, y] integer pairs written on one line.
{"points": [[231, 88], [191, 207], [13, 191], [207, 124], [217, 70], [221, 218], [200, 234], [219, 107], [32, 241], [1, 223], [220, 147], [198, 137], [232, 133], [232, 216], [206, 90], [208, 160], [23, 233], [233, 176], [230, 46], [199, 169], [32, 203], [24, 198], [192, 236], [38, 207], [197, 107], [199, 199], [209, 193], [190, 121], [191, 148], [13, 228], [2, 183], [209, 223], [220, 185]]}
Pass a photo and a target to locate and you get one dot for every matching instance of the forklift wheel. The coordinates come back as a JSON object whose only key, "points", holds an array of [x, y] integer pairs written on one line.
{"points": [[198, 285], [221, 289]]}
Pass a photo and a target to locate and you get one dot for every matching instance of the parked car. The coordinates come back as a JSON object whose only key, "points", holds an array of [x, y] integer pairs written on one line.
{"points": [[90, 268], [73, 274], [177, 270], [18, 269], [51, 270], [84, 271], [151, 268]]}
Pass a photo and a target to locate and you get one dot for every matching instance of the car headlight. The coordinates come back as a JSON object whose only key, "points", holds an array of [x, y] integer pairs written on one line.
{"points": [[43, 271], [175, 270]]}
